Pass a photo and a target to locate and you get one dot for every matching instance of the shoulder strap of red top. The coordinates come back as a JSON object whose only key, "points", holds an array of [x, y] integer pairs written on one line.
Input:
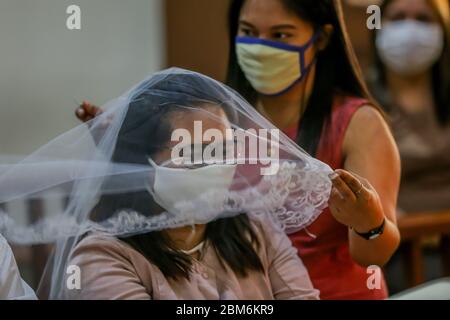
{"points": [[333, 132]]}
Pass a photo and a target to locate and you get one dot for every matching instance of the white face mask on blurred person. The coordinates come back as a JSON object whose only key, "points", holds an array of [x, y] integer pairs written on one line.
{"points": [[410, 47]]}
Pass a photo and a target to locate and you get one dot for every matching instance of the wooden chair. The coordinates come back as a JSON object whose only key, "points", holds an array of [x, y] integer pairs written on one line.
{"points": [[413, 229]]}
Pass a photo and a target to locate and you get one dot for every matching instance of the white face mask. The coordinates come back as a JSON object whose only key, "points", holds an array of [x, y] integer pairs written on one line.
{"points": [[272, 67], [173, 186], [410, 47]]}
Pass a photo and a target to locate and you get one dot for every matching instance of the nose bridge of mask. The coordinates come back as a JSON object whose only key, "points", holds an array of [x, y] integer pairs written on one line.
{"points": [[272, 67]]}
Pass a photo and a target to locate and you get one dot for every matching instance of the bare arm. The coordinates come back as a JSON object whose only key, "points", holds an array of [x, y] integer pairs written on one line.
{"points": [[365, 193]]}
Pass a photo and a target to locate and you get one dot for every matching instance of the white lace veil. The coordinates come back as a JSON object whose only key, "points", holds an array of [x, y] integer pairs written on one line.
{"points": [[114, 179]]}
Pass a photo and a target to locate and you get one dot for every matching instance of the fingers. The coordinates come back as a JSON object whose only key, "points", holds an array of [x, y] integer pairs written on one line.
{"points": [[80, 113], [355, 183], [341, 189], [91, 109], [87, 111], [337, 207], [335, 197], [364, 181], [334, 210]]}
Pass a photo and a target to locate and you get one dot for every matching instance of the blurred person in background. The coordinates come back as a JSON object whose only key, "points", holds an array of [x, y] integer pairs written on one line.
{"points": [[411, 80], [293, 61], [410, 77], [329, 113]]}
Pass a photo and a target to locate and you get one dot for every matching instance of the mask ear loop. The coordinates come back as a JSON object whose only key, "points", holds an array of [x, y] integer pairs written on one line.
{"points": [[152, 163], [150, 188], [308, 72]]}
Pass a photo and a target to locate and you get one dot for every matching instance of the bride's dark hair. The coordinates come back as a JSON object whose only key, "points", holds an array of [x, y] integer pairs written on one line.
{"points": [[145, 132]]}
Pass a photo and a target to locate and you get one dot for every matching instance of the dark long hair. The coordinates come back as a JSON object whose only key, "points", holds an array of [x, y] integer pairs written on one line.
{"points": [[337, 69], [440, 72], [145, 131]]}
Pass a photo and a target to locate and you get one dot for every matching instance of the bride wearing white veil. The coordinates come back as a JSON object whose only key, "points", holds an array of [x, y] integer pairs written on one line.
{"points": [[152, 214]]}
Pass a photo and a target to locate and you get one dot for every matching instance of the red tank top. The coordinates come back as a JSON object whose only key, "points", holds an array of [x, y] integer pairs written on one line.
{"points": [[326, 255]]}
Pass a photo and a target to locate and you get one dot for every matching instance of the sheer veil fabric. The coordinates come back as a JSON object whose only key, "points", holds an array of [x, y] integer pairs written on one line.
{"points": [[12, 286], [145, 164]]}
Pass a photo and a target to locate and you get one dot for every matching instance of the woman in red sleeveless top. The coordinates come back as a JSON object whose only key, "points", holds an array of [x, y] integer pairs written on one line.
{"points": [[293, 61]]}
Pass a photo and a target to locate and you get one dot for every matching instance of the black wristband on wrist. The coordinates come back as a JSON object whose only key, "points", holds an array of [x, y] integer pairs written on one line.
{"points": [[374, 233]]}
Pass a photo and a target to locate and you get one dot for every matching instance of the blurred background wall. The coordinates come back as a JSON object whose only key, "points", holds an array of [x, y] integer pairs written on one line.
{"points": [[197, 35], [45, 68]]}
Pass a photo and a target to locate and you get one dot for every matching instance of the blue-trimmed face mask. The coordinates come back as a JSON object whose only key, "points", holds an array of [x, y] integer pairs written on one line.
{"points": [[272, 67]]}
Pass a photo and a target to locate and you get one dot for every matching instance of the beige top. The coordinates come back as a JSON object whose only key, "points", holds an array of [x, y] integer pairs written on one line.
{"points": [[111, 269], [424, 147]]}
